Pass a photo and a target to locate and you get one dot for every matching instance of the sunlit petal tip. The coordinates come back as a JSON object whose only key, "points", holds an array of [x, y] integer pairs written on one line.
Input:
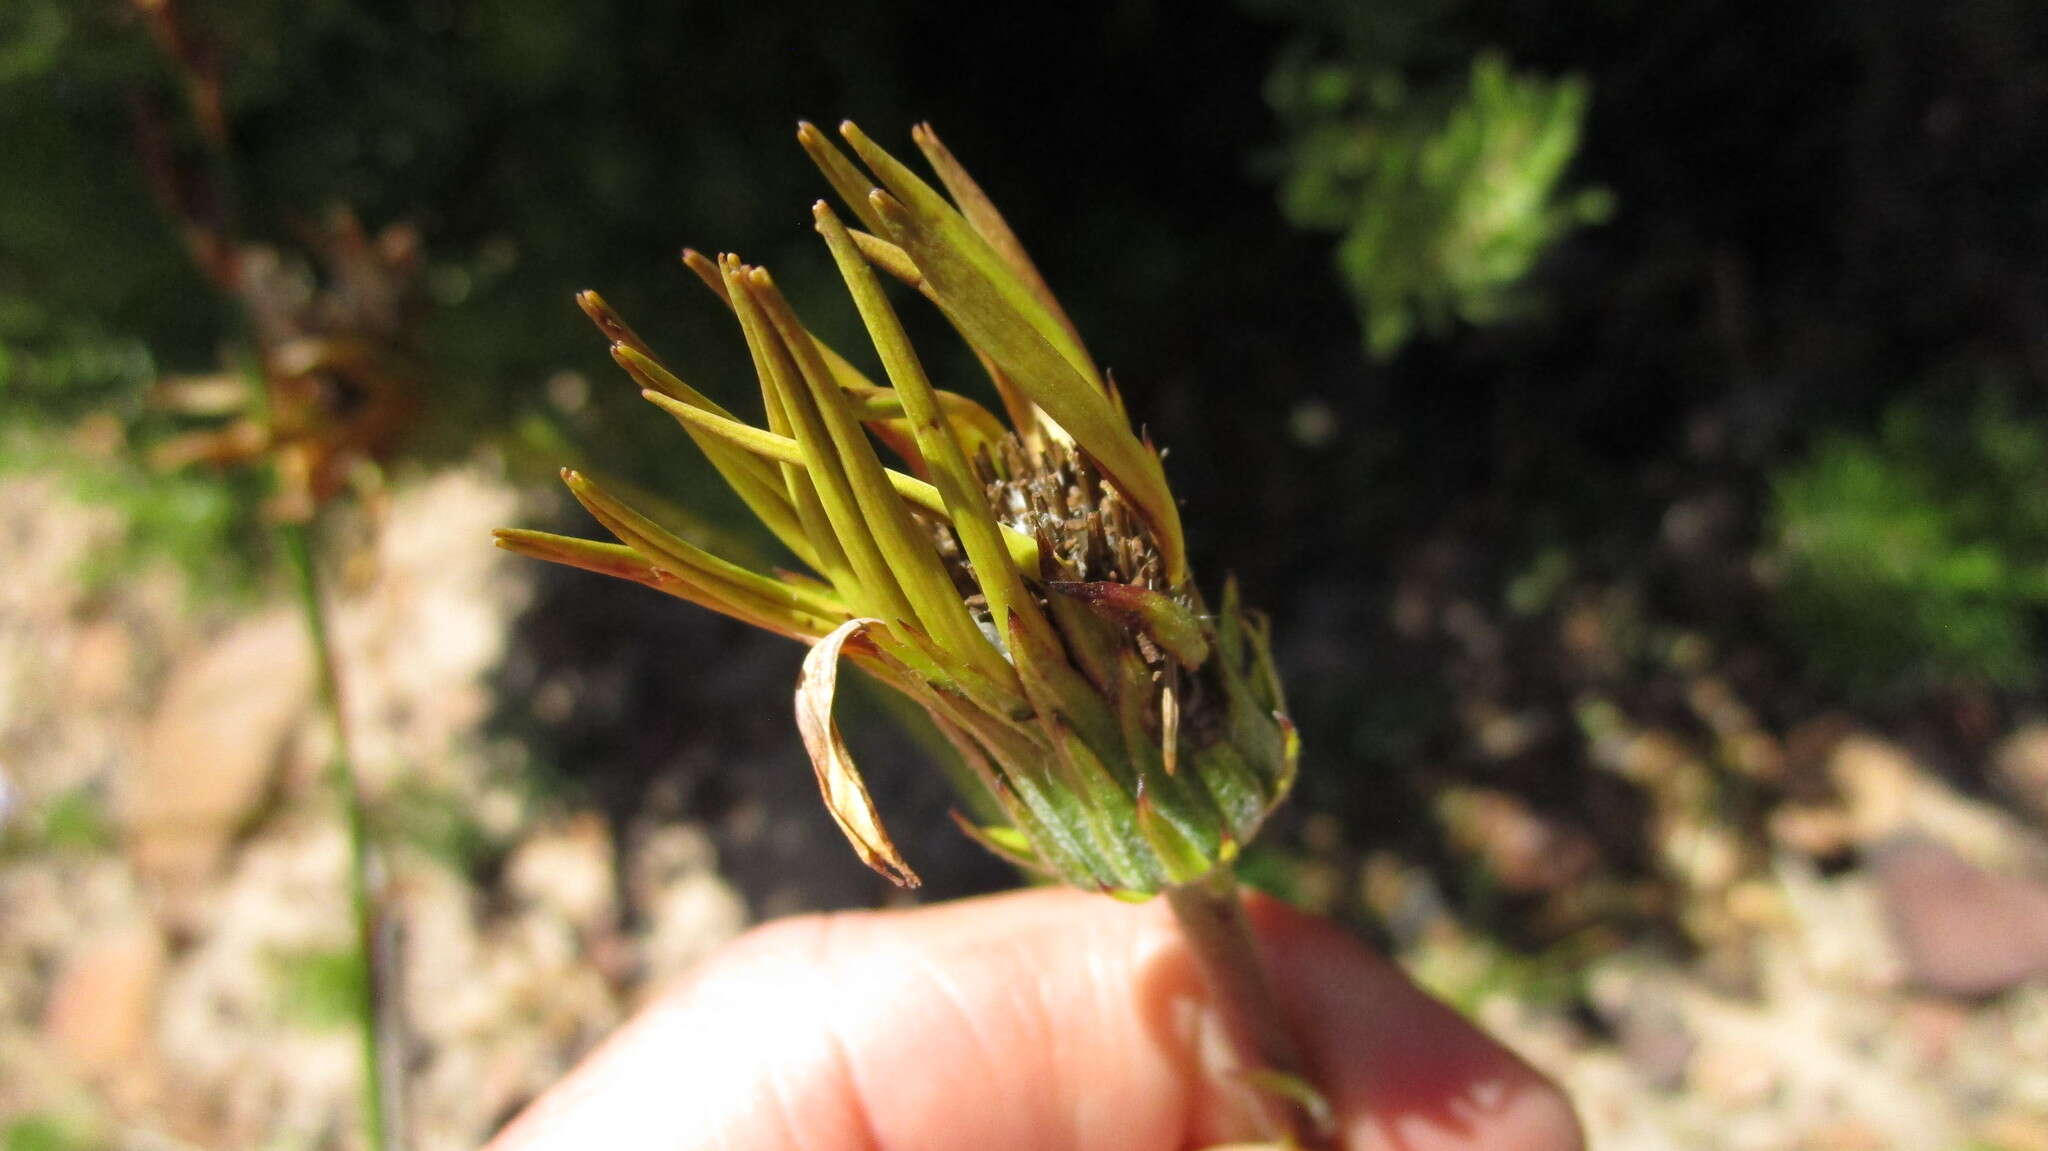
{"points": [[608, 321], [706, 271]]}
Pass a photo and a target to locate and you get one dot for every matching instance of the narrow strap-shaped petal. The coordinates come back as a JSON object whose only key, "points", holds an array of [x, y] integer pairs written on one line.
{"points": [[756, 483], [1021, 549], [770, 366], [849, 181], [669, 552], [947, 224], [755, 487], [881, 417], [708, 272], [966, 498], [615, 560], [628, 563], [896, 263], [983, 217], [976, 427], [908, 549], [988, 320]]}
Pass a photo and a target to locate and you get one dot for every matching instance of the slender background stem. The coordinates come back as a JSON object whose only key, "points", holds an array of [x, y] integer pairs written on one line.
{"points": [[378, 1109]]}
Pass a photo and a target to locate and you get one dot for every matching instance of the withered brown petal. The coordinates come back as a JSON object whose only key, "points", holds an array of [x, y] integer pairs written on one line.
{"points": [[846, 797]]}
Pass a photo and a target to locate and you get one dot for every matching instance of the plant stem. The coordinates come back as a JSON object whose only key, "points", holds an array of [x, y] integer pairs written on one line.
{"points": [[341, 771], [1212, 920]]}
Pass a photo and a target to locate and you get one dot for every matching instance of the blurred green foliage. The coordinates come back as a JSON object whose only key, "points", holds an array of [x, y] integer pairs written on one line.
{"points": [[94, 289], [437, 823], [44, 1133], [1916, 557], [72, 821], [1445, 192], [201, 522], [319, 989], [77, 821]]}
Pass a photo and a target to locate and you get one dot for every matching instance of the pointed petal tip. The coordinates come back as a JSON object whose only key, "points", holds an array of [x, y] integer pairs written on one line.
{"points": [[637, 365], [888, 205]]}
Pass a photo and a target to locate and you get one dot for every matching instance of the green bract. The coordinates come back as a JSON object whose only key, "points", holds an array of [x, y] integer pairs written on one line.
{"points": [[1026, 585]]}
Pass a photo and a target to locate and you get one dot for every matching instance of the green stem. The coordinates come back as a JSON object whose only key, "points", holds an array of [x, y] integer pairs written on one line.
{"points": [[204, 92], [341, 771], [1213, 923]]}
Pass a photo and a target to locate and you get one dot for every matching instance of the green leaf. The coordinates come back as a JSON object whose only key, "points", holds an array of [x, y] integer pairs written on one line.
{"points": [[1006, 843], [1179, 859], [1178, 799], [1111, 811], [1234, 787]]}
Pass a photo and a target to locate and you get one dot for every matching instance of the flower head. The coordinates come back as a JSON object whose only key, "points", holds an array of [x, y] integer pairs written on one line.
{"points": [[1025, 583]]}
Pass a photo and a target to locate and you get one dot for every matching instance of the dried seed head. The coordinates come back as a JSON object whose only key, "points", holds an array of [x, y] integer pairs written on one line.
{"points": [[1087, 531], [1026, 586]]}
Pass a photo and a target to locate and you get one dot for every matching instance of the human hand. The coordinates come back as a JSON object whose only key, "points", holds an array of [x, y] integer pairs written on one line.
{"points": [[1051, 1020]]}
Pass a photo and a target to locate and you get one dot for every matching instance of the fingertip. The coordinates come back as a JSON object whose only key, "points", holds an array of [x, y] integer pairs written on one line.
{"points": [[1543, 1120], [1538, 1118]]}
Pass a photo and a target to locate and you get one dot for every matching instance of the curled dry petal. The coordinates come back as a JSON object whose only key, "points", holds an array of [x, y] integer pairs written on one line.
{"points": [[846, 797]]}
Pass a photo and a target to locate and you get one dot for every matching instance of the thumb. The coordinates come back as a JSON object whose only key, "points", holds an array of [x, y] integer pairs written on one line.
{"points": [[1402, 1071]]}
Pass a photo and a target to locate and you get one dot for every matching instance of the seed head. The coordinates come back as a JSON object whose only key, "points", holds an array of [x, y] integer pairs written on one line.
{"points": [[1024, 580]]}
